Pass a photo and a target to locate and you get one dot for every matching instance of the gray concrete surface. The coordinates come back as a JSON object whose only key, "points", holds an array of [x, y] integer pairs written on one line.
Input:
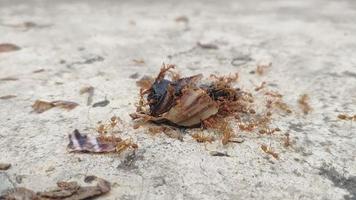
{"points": [[311, 43]]}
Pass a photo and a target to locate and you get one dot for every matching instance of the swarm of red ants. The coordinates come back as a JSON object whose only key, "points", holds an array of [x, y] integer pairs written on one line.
{"points": [[170, 103]]}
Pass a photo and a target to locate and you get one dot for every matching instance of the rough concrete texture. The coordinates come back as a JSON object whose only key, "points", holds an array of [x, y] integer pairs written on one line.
{"points": [[311, 43]]}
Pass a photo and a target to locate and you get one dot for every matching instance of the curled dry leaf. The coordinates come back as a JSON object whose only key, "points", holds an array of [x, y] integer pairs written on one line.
{"points": [[41, 106], [7, 47]]}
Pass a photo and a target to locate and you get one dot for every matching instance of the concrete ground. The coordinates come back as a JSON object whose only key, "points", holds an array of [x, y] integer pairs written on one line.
{"points": [[311, 43]]}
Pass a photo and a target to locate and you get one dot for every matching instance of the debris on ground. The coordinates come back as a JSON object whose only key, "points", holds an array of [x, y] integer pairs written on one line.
{"points": [[145, 82], [107, 141], [7, 97], [303, 103], [41, 106], [182, 18], [207, 45], [261, 69], [65, 190], [38, 71], [101, 103], [25, 26], [220, 154], [138, 61], [201, 138], [5, 166], [134, 75], [7, 47], [90, 91], [287, 140], [269, 151], [347, 117], [213, 104]]}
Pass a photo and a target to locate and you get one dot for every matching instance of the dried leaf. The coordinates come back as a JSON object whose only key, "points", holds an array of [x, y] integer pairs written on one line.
{"points": [[41, 106], [5, 166], [68, 105], [7, 97], [7, 47]]}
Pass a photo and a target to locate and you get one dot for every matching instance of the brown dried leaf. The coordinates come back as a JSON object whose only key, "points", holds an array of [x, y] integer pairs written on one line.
{"points": [[7, 97], [38, 71], [41, 106], [68, 105], [5, 166], [7, 47]]}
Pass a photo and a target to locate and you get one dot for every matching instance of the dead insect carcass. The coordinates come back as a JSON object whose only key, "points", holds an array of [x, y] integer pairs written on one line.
{"points": [[180, 101]]}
